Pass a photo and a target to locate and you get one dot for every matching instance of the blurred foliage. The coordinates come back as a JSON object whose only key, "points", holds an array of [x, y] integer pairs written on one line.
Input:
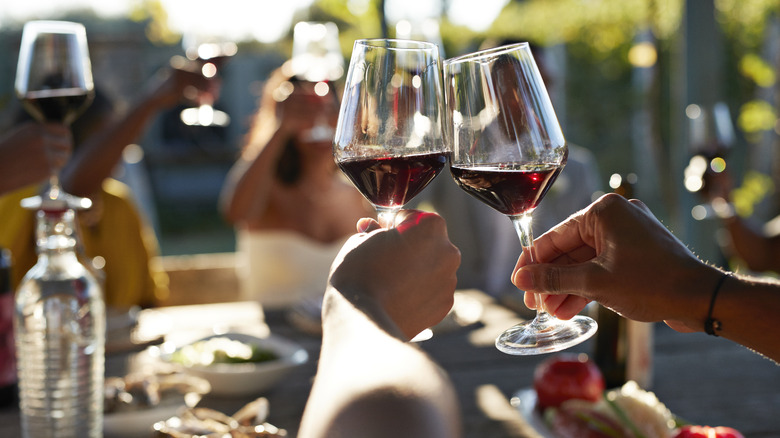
{"points": [[154, 14], [745, 21], [604, 26], [755, 117], [757, 69], [755, 187]]}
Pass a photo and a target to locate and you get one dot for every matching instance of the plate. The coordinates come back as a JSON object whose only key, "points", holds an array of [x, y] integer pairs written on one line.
{"points": [[138, 422], [524, 401], [230, 379]]}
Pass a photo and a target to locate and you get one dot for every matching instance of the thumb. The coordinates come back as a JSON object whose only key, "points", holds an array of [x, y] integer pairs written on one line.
{"points": [[367, 225], [555, 279]]}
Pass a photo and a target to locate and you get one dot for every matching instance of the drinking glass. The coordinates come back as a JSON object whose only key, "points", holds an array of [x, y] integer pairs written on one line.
{"points": [[316, 54], [711, 137], [54, 82], [211, 53], [508, 149], [388, 138]]}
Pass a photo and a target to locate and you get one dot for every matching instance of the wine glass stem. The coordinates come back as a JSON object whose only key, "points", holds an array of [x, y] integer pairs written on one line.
{"points": [[54, 185], [524, 230], [386, 216]]}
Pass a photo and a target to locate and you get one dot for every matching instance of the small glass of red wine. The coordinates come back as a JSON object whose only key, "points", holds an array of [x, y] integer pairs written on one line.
{"points": [[211, 53], [54, 81], [507, 151], [388, 138]]}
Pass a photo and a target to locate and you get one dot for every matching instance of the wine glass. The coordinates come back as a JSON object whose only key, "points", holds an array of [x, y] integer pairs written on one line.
{"points": [[711, 137], [508, 149], [54, 83], [212, 54], [388, 138]]}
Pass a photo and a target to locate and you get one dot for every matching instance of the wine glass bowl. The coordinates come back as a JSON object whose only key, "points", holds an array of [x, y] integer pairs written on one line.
{"points": [[211, 54], [507, 150], [54, 83], [388, 137], [53, 75]]}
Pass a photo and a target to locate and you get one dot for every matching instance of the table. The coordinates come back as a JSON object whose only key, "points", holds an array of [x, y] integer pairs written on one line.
{"points": [[702, 379]]}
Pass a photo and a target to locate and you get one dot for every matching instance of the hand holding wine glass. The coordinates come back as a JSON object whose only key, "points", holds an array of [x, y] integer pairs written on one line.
{"points": [[508, 149], [211, 53], [54, 79], [388, 137]]}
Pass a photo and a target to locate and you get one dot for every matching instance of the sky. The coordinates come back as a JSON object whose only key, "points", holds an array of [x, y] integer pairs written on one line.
{"points": [[264, 20]]}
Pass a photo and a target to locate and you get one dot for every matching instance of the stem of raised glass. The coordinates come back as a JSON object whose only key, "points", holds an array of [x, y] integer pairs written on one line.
{"points": [[55, 190], [386, 216], [524, 230]]}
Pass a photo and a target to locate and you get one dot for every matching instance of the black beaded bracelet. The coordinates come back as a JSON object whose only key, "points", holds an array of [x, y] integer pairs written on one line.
{"points": [[711, 325]]}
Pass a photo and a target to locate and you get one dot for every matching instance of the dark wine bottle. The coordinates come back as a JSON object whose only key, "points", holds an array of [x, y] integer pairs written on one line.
{"points": [[8, 387], [623, 348]]}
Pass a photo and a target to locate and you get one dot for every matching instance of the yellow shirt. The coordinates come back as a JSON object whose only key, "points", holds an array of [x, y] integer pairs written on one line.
{"points": [[112, 229]]}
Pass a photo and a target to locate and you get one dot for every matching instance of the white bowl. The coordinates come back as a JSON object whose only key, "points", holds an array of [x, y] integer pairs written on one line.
{"points": [[250, 378]]}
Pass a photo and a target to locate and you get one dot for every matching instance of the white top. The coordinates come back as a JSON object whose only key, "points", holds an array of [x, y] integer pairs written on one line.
{"points": [[280, 268]]}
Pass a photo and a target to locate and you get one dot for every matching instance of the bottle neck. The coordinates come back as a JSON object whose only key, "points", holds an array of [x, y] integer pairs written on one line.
{"points": [[56, 231]]}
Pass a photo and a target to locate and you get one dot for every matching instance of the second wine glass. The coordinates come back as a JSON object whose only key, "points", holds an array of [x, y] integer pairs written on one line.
{"points": [[388, 138], [54, 84], [508, 149]]}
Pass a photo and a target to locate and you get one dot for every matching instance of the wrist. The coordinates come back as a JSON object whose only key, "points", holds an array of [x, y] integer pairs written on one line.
{"points": [[694, 293], [343, 304]]}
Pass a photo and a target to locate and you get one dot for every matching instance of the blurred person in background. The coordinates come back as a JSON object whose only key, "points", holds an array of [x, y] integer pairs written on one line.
{"points": [[30, 152], [757, 246], [115, 237], [487, 239], [291, 206]]}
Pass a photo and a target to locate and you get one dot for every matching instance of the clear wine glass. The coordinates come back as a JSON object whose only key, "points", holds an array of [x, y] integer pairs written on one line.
{"points": [[508, 149], [211, 53], [54, 83], [388, 138]]}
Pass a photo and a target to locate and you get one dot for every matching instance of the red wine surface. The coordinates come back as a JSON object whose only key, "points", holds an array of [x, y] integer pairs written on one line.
{"points": [[59, 105], [511, 189], [393, 181]]}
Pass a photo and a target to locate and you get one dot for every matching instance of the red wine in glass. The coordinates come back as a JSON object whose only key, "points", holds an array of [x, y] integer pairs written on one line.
{"points": [[393, 181], [508, 149], [62, 105], [512, 189]]}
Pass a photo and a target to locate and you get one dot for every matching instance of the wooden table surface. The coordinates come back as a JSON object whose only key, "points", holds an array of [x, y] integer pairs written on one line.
{"points": [[702, 379]]}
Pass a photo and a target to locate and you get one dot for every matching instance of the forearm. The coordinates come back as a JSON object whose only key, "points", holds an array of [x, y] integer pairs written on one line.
{"points": [[95, 159], [759, 251], [12, 178], [372, 382], [747, 309], [249, 182]]}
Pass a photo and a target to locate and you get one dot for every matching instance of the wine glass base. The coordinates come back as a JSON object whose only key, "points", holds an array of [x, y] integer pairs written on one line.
{"points": [[531, 337], [60, 201]]}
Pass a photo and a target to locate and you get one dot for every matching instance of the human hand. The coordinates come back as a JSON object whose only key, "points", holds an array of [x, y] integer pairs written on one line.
{"points": [[303, 109], [409, 272], [37, 150], [181, 82], [617, 253]]}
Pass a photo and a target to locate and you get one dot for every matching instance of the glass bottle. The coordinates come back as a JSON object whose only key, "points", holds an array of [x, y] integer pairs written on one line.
{"points": [[59, 324], [623, 349]]}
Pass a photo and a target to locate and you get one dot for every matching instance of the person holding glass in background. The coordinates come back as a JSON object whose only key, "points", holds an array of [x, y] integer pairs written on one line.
{"points": [[115, 235], [291, 206]]}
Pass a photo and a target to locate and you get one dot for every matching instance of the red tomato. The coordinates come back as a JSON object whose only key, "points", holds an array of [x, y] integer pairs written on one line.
{"points": [[707, 432], [567, 376]]}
